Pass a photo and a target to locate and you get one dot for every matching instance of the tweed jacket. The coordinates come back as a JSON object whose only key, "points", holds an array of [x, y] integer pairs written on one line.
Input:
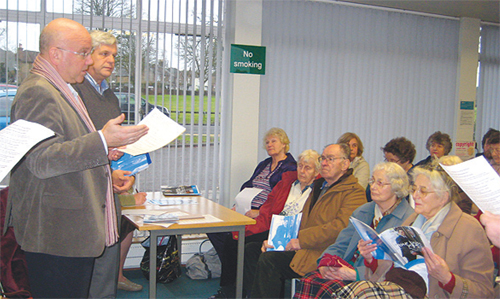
{"points": [[461, 242], [58, 190], [322, 223], [347, 242]]}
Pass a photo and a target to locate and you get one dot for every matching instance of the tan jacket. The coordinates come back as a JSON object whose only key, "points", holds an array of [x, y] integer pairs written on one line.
{"points": [[462, 243], [320, 226]]}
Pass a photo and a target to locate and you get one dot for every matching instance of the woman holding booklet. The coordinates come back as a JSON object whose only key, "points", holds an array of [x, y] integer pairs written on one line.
{"points": [[341, 260], [287, 198], [459, 265]]}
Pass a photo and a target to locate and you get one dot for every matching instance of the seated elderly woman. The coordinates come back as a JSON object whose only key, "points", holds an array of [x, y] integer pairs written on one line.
{"points": [[268, 172], [459, 265], [266, 175], [287, 198], [361, 169], [401, 151], [389, 186], [438, 145]]}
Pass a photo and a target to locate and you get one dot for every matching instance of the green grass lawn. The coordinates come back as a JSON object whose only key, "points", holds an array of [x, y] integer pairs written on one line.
{"points": [[175, 105], [191, 104]]}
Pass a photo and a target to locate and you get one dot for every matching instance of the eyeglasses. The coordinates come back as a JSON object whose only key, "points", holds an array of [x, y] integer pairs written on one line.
{"points": [[422, 190], [329, 159], [82, 54], [378, 183]]}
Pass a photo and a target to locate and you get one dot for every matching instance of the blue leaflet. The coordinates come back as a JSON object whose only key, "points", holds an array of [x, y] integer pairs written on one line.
{"points": [[131, 163]]}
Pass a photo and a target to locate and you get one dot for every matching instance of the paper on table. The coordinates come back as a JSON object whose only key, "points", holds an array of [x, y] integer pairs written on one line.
{"points": [[479, 181], [244, 199], [17, 139], [157, 198], [162, 131]]}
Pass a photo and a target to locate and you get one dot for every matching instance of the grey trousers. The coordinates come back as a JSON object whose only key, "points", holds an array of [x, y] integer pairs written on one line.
{"points": [[105, 273]]}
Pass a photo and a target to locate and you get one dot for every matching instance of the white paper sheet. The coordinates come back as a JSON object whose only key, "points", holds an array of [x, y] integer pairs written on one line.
{"points": [[162, 131], [479, 181], [244, 199], [16, 140]]}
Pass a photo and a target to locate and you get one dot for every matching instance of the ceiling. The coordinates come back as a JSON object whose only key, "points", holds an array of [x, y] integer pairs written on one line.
{"points": [[485, 10]]}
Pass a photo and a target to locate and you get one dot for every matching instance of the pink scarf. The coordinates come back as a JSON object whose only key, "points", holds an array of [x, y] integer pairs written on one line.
{"points": [[43, 68]]}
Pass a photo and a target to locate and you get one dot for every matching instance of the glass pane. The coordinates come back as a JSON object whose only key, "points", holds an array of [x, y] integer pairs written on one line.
{"points": [[21, 40], [109, 8], [21, 5]]}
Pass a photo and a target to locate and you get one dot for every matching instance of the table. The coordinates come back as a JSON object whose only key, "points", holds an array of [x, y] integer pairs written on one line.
{"points": [[231, 221]]}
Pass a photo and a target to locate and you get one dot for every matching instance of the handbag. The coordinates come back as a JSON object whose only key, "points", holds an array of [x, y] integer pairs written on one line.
{"points": [[204, 265], [168, 265]]}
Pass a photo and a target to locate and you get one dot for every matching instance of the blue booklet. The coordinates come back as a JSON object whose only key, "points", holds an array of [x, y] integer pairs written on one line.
{"points": [[131, 163], [282, 230]]}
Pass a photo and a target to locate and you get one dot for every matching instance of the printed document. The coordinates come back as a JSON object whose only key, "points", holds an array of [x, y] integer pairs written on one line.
{"points": [[162, 131], [17, 139], [479, 181], [244, 199]]}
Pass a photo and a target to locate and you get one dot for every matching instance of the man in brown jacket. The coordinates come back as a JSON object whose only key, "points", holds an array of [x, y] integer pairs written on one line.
{"points": [[333, 199]]}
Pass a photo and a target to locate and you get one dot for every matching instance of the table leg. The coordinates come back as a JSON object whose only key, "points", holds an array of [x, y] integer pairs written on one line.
{"points": [[241, 256], [152, 263]]}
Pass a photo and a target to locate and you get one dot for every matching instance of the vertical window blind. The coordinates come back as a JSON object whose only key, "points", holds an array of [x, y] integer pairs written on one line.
{"points": [[169, 56], [334, 68], [488, 92]]}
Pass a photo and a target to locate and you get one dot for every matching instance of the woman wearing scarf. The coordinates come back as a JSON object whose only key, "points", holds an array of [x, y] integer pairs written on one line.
{"points": [[459, 264]]}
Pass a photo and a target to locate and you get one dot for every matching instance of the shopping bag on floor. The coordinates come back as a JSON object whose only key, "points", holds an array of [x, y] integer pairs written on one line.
{"points": [[168, 264], [204, 265]]}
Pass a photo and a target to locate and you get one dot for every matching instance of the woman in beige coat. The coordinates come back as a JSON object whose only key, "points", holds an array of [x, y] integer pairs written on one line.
{"points": [[458, 266]]}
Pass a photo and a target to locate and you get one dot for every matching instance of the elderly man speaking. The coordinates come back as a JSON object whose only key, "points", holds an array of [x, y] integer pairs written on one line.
{"points": [[61, 198]]}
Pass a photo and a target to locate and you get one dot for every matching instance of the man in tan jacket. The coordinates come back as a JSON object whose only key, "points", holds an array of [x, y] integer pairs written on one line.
{"points": [[333, 199]]}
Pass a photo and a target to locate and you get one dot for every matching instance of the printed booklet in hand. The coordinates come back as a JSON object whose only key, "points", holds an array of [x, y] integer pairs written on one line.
{"points": [[282, 230], [402, 245]]}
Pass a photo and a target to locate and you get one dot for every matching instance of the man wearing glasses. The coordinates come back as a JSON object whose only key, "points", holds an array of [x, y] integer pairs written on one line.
{"points": [[61, 198], [326, 212]]}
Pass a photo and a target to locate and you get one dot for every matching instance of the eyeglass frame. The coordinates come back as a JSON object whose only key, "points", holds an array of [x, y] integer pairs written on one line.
{"points": [[377, 183], [413, 190], [329, 159], [81, 54]]}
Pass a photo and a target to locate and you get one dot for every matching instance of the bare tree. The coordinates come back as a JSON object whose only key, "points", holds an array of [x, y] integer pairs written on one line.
{"points": [[191, 52], [108, 8]]}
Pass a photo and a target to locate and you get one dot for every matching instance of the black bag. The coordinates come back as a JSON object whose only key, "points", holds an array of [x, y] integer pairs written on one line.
{"points": [[204, 265], [168, 264]]}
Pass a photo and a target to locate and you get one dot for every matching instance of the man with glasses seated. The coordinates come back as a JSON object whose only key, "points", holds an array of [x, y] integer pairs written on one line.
{"points": [[326, 212]]}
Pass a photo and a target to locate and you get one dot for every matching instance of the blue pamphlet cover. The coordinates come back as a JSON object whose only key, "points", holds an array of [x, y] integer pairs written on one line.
{"points": [[282, 230], [131, 163]]}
